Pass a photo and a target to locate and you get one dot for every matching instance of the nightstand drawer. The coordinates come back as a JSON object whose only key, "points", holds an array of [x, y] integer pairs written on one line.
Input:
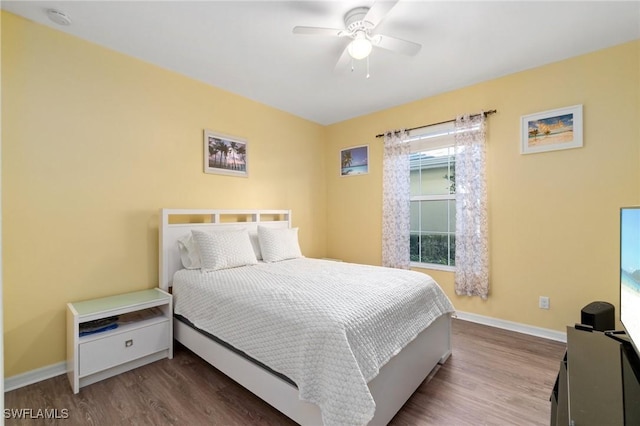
{"points": [[118, 348]]}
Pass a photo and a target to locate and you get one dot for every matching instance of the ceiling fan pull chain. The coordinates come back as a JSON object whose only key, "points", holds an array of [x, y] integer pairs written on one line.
{"points": [[352, 67], [368, 75]]}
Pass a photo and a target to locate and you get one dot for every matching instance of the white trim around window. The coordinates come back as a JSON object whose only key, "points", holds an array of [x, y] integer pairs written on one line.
{"points": [[434, 266]]}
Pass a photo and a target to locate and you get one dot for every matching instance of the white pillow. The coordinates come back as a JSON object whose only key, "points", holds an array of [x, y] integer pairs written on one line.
{"points": [[224, 249], [278, 244], [189, 254], [255, 242]]}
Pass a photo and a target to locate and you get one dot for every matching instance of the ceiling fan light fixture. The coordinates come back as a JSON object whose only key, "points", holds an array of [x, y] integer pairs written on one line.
{"points": [[360, 47]]}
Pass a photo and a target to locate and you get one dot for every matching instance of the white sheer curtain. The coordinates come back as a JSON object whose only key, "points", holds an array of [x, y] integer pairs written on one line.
{"points": [[396, 193], [472, 246]]}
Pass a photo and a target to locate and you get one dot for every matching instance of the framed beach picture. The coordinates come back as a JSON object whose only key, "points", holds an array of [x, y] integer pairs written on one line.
{"points": [[354, 161], [226, 155], [551, 130]]}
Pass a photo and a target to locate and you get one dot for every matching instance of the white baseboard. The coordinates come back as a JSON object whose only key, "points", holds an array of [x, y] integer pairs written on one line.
{"points": [[514, 326], [34, 376]]}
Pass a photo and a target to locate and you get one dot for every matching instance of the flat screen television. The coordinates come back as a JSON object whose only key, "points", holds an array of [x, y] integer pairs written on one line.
{"points": [[630, 311], [630, 273]]}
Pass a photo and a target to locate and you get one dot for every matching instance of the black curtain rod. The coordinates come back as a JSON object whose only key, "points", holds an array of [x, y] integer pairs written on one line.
{"points": [[493, 111]]}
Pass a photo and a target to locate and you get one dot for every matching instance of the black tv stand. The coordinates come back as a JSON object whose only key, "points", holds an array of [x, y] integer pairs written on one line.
{"points": [[599, 381], [630, 384]]}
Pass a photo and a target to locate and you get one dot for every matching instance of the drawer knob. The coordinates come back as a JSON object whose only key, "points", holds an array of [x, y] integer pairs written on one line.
{"points": [[128, 343]]}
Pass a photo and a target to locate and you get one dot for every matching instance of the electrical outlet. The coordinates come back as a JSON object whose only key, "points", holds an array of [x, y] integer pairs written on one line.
{"points": [[543, 302]]}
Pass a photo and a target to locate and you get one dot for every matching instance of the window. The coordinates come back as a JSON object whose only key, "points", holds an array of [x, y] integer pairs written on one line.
{"points": [[433, 204]]}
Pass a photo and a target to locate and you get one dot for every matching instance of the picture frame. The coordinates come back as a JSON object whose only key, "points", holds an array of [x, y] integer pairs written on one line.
{"points": [[551, 130], [354, 161], [225, 155]]}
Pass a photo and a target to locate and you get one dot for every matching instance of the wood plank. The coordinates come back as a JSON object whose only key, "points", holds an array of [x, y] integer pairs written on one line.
{"points": [[494, 377]]}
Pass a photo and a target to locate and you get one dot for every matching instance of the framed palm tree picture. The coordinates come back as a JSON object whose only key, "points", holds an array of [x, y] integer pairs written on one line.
{"points": [[354, 161], [224, 154]]}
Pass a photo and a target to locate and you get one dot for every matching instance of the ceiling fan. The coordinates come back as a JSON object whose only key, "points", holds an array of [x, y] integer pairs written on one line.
{"points": [[360, 24]]}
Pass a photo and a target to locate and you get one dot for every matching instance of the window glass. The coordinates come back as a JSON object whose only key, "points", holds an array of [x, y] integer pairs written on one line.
{"points": [[433, 222]]}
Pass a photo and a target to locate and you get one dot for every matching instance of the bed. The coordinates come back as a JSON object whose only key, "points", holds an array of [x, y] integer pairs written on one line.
{"points": [[255, 332]]}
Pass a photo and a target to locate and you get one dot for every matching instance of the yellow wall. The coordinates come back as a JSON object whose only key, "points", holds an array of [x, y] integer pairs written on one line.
{"points": [[94, 144], [553, 216]]}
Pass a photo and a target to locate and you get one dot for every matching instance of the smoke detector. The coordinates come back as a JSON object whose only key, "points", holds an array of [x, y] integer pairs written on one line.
{"points": [[58, 17]]}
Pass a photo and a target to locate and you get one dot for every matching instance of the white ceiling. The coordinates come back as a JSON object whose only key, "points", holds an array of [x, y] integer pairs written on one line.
{"points": [[247, 47]]}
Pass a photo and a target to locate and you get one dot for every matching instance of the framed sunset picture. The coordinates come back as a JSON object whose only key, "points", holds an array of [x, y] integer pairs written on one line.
{"points": [[354, 161], [551, 130], [226, 155]]}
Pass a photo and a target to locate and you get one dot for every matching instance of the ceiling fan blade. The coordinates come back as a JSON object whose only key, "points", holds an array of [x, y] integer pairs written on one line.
{"points": [[378, 11], [397, 45], [317, 31], [344, 60]]}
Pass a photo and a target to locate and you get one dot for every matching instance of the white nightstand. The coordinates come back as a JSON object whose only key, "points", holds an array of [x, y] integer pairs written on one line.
{"points": [[143, 335]]}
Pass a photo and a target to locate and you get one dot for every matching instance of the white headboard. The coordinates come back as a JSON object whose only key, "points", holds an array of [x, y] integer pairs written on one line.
{"points": [[176, 223]]}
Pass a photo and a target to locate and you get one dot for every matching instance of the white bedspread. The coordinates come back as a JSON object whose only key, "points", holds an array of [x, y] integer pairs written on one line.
{"points": [[328, 326]]}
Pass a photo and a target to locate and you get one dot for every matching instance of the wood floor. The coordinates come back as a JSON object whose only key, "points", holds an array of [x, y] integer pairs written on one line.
{"points": [[494, 377]]}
